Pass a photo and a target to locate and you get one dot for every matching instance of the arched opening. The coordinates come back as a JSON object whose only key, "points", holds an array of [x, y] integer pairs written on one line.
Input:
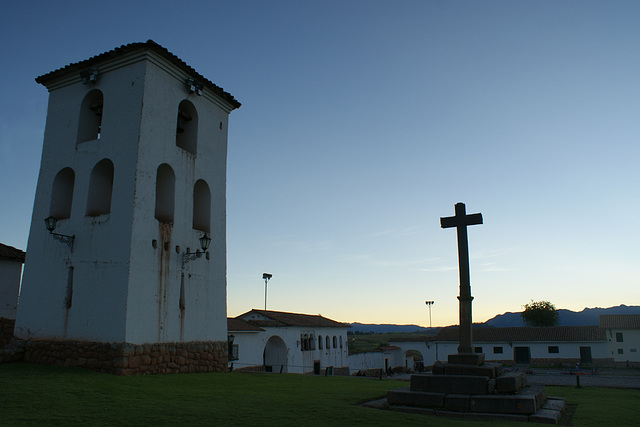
{"points": [[100, 188], [90, 120], [335, 342], [320, 342], [328, 342], [165, 193], [201, 206], [340, 341], [187, 127], [275, 355], [413, 360], [62, 194]]}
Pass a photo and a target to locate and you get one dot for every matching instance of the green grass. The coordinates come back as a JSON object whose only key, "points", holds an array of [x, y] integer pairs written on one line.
{"points": [[43, 395]]}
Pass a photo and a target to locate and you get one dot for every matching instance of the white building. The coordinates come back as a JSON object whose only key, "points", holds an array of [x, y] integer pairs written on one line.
{"points": [[11, 260], [134, 170], [276, 341], [623, 338]]}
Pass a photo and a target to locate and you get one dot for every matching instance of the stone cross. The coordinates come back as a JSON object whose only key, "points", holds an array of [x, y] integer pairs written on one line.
{"points": [[461, 220]]}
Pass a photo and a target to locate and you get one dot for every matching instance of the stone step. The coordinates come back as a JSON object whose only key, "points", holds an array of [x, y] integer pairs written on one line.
{"points": [[491, 370], [527, 401], [459, 384]]}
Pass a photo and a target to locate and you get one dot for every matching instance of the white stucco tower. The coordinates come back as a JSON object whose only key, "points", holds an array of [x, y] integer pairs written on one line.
{"points": [[134, 170]]}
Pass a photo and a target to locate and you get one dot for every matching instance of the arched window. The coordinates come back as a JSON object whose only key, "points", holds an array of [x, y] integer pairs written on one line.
{"points": [[165, 193], [187, 127], [312, 342], [328, 342], [100, 188], [340, 341], [62, 194], [201, 206], [320, 342], [90, 120], [335, 342]]}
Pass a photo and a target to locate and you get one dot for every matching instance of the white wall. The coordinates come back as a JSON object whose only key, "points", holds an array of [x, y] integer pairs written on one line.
{"points": [[10, 273], [630, 342]]}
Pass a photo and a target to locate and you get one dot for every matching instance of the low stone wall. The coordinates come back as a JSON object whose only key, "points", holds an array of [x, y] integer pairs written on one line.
{"points": [[6, 330], [130, 359]]}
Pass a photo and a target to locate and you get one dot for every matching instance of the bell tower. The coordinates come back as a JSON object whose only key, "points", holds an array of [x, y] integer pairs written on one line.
{"points": [[128, 273]]}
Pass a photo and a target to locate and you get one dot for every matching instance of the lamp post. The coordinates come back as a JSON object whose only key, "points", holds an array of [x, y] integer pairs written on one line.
{"points": [[51, 223], [429, 304], [266, 277], [205, 241]]}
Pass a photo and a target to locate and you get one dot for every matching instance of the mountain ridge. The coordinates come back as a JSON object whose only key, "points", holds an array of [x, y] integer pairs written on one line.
{"points": [[586, 317]]}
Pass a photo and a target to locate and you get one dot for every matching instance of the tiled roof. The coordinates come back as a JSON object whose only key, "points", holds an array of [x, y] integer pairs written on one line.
{"points": [[281, 318], [519, 334], [237, 325], [132, 47], [620, 321], [11, 253]]}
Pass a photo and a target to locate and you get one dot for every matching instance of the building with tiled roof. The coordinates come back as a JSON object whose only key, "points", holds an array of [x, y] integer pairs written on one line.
{"points": [[11, 260], [277, 341], [623, 337]]}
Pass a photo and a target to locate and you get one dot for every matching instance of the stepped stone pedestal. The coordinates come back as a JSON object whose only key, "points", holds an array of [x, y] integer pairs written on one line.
{"points": [[468, 385]]}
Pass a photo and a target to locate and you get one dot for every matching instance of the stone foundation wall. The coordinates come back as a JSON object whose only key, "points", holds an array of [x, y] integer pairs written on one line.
{"points": [[130, 359], [6, 330]]}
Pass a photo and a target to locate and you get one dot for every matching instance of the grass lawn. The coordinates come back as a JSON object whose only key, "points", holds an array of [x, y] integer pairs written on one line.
{"points": [[44, 395]]}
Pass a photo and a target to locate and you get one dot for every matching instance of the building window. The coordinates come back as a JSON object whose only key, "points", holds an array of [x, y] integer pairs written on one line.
{"points": [[497, 350], [553, 349], [619, 337], [187, 127], [312, 342], [478, 349], [320, 342], [165, 193], [335, 342], [633, 350], [340, 341], [62, 194], [100, 188], [201, 206], [620, 351], [90, 120], [328, 342]]}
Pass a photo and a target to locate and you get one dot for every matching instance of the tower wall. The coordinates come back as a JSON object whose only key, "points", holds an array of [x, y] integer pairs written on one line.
{"points": [[124, 282]]}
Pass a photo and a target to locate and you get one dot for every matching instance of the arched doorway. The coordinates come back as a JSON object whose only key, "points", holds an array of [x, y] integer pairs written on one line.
{"points": [[275, 355], [413, 360]]}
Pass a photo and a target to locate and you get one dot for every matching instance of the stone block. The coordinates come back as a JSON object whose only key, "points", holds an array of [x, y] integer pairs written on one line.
{"points": [[457, 402], [555, 403], [404, 397], [546, 416], [511, 382], [460, 384], [526, 403], [466, 359], [484, 370]]}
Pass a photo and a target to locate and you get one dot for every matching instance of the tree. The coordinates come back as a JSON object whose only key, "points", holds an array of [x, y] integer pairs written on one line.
{"points": [[540, 313]]}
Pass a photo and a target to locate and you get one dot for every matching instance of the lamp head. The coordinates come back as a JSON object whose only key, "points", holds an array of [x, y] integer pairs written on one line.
{"points": [[51, 223], [266, 276], [205, 241]]}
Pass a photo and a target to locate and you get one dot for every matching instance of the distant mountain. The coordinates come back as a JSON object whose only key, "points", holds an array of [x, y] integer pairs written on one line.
{"points": [[380, 329], [586, 317]]}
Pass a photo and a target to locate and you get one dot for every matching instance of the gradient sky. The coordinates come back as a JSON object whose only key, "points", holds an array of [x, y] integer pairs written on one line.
{"points": [[363, 123]]}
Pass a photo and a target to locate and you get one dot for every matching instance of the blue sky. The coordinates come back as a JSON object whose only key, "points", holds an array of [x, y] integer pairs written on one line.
{"points": [[364, 122]]}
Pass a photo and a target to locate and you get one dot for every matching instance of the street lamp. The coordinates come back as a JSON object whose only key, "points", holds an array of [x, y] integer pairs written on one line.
{"points": [[266, 277], [429, 304], [205, 241], [51, 223]]}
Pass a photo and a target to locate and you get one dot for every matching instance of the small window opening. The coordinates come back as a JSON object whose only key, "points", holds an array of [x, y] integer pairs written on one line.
{"points": [[62, 194], [477, 349], [320, 342], [165, 193], [328, 342], [340, 341], [187, 127], [201, 206], [553, 349], [335, 342], [90, 121], [100, 188], [619, 337], [497, 350]]}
